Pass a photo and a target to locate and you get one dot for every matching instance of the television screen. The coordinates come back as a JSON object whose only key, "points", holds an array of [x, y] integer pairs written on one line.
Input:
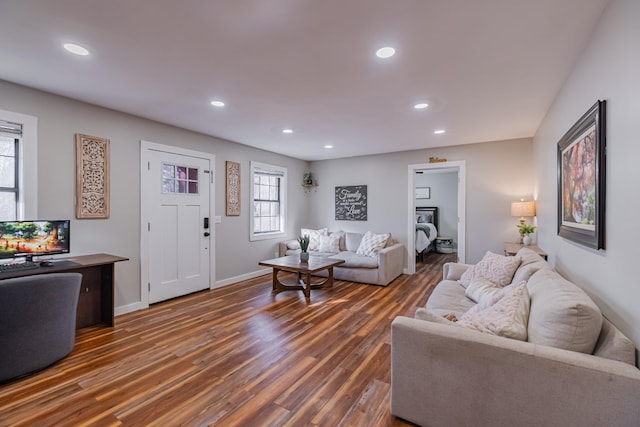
{"points": [[34, 238]]}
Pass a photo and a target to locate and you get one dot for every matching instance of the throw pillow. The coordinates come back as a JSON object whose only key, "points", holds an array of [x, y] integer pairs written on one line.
{"points": [[479, 288], [314, 237], [497, 268], [372, 243], [330, 243], [506, 318], [487, 300]]}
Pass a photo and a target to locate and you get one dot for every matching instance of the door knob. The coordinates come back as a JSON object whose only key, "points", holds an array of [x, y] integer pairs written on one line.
{"points": [[206, 234]]}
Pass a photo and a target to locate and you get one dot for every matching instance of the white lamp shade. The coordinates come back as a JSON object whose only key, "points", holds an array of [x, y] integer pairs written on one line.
{"points": [[523, 209]]}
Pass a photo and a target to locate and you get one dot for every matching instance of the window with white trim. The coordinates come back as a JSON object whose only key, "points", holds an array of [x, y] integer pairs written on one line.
{"points": [[18, 166], [268, 201], [10, 135]]}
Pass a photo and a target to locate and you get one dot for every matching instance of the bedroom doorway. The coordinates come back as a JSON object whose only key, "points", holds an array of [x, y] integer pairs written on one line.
{"points": [[451, 214]]}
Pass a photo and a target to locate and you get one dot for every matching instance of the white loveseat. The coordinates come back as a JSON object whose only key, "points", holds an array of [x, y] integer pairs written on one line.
{"points": [[380, 269], [575, 368]]}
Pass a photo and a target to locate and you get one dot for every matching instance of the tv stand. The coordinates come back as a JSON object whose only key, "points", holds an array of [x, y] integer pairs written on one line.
{"points": [[96, 300]]}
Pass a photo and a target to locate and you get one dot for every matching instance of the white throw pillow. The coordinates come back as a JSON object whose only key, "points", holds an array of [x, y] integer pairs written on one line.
{"points": [[506, 318], [479, 288], [330, 243], [372, 243], [497, 268], [314, 237]]}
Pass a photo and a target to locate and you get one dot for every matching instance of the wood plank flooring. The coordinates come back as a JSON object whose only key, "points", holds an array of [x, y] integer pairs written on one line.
{"points": [[234, 356]]}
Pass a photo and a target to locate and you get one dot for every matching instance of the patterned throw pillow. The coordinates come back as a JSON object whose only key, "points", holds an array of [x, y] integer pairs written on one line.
{"points": [[372, 243], [497, 268], [314, 237], [330, 243], [506, 318]]}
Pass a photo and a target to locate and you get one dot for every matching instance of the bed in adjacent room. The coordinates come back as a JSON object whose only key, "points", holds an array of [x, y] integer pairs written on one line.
{"points": [[426, 231]]}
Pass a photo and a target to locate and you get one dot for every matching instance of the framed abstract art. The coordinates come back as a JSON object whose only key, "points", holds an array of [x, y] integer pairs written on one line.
{"points": [[581, 179]]}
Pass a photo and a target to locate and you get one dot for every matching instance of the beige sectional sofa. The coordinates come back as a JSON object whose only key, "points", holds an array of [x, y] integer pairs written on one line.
{"points": [[575, 368], [380, 269]]}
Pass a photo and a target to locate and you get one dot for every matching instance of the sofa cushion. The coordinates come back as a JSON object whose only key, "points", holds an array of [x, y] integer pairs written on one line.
{"points": [[314, 237], [448, 297], [497, 268], [372, 243], [612, 344], [352, 241], [506, 318], [353, 260], [562, 315], [531, 262]]}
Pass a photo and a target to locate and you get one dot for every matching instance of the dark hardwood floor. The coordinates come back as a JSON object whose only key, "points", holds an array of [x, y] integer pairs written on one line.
{"points": [[234, 356]]}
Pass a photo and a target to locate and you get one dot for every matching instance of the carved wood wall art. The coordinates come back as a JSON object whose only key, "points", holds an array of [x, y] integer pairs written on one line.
{"points": [[232, 199], [92, 177]]}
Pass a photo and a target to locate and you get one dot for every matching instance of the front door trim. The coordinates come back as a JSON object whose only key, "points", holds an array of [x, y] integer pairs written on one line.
{"points": [[145, 148]]}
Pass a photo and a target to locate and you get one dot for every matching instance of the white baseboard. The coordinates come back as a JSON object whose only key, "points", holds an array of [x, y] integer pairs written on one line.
{"points": [[124, 309], [232, 280]]}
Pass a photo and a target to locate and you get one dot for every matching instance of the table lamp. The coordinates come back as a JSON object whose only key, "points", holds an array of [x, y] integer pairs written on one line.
{"points": [[523, 209]]}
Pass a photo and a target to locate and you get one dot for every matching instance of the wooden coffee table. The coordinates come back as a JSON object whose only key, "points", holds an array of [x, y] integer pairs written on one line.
{"points": [[304, 270]]}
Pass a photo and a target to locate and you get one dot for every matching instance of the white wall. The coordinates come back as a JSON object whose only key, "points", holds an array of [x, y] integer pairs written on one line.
{"points": [[60, 118], [444, 195], [497, 173], [609, 69]]}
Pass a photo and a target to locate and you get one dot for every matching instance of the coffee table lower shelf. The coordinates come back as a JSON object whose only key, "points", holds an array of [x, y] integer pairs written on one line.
{"points": [[304, 270]]}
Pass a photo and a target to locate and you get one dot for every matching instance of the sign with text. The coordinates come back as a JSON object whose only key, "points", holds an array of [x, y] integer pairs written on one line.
{"points": [[351, 203]]}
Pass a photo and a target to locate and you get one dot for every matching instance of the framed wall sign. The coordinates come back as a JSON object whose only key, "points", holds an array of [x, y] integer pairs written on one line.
{"points": [[351, 203], [581, 179], [92, 177]]}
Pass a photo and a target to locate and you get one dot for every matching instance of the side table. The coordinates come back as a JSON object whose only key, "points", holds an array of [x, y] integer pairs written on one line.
{"points": [[510, 249]]}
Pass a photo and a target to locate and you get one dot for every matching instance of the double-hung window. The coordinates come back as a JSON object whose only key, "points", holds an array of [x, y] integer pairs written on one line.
{"points": [[268, 197], [18, 166]]}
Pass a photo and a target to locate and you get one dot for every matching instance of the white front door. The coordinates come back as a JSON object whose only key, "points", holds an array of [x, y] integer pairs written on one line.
{"points": [[178, 228]]}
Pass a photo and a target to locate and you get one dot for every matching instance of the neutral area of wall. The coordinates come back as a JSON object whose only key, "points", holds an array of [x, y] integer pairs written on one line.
{"points": [[497, 173], [59, 118], [443, 195], [608, 69]]}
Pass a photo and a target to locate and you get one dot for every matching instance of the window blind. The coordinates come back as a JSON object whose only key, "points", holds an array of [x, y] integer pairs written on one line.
{"points": [[10, 129]]}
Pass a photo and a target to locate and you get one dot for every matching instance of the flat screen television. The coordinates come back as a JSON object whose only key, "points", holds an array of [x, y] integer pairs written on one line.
{"points": [[34, 238]]}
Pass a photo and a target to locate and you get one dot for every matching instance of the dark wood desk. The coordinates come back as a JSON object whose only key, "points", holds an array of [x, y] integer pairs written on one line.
{"points": [[96, 301]]}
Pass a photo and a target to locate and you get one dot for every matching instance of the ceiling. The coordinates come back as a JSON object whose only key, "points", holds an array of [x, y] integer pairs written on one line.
{"points": [[488, 69]]}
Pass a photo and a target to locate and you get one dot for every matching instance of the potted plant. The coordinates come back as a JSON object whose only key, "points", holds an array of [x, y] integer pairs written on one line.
{"points": [[525, 231], [304, 245]]}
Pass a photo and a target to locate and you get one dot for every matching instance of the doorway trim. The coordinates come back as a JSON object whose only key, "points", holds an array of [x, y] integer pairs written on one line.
{"points": [[460, 165], [145, 148]]}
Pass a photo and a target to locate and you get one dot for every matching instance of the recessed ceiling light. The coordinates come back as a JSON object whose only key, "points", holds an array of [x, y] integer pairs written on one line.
{"points": [[217, 103], [76, 49], [328, 146], [287, 130], [385, 52], [439, 131], [421, 106]]}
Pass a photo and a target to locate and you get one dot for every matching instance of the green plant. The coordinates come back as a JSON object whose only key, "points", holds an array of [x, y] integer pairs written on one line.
{"points": [[304, 242], [526, 229]]}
